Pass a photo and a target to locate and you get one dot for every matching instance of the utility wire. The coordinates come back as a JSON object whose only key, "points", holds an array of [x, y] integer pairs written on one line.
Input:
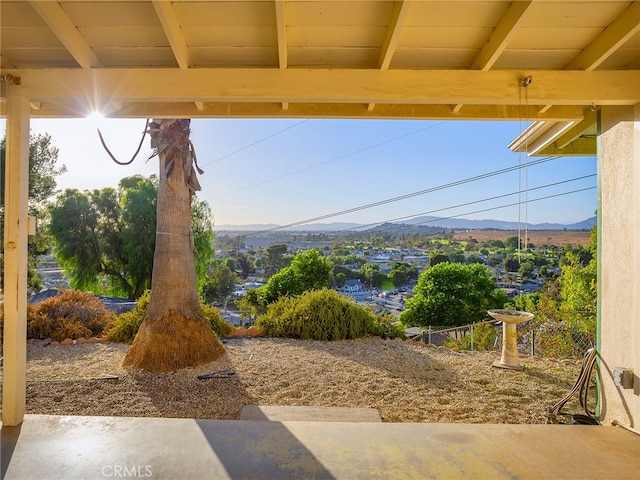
{"points": [[295, 172], [507, 205], [408, 195], [464, 204], [255, 143]]}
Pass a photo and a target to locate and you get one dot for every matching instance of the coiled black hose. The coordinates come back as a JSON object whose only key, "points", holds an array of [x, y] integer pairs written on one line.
{"points": [[581, 388]]}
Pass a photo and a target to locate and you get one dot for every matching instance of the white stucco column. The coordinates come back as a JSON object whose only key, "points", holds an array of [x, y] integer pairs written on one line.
{"points": [[619, 260], [15, 261]]}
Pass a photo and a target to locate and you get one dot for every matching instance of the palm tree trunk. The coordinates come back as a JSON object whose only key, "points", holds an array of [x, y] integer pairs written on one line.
{"points": [[174, 334]]}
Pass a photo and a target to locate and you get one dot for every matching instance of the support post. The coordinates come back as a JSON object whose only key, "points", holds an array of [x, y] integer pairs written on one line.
{"points": [[472, 349], [619, 261], [15, 261]]}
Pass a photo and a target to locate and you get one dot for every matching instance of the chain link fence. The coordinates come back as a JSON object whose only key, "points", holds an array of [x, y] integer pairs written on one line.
{"points": [[545, 340]]}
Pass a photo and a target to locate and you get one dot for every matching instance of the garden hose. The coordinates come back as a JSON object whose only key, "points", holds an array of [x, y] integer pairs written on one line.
{"points": [[581, 388]]}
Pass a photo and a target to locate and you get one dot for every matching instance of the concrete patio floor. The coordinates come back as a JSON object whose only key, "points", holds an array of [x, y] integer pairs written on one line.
{"points": [[67, 447]]}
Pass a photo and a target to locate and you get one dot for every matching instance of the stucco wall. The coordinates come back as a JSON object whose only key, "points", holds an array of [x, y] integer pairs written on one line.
{"points": [[619, 282]]}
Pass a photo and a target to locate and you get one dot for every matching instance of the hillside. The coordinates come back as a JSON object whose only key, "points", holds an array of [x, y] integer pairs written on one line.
{"points": [[428, 223]]}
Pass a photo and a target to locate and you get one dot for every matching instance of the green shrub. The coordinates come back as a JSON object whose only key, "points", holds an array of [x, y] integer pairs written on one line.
{"points": [[71, 314], [560, 342], [319, 315], [389, 327], [126, 325], [484, 337], [218, 324]]}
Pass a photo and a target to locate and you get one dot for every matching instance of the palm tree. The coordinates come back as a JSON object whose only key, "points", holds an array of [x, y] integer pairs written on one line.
{"points": [[174, 333]]}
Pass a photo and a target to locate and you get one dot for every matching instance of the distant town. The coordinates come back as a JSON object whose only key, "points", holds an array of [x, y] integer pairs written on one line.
{"points": [[380, 267]]}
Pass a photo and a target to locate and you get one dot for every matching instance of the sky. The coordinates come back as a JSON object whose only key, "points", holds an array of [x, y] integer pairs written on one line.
{"points": [[282, 171]]}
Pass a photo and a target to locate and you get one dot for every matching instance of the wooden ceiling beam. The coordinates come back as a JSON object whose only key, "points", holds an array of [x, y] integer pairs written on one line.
{"points": [[390, 42], [396, 22], [281, 27], [75, 109], [172, 30], [583, 146], [613, 37], [502, 35], [450, 87], [578, 129], [63, 28]]}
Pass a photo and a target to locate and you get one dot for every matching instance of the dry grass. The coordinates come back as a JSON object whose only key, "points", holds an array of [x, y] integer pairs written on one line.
{"points": [[559, 238], [405, 381]]}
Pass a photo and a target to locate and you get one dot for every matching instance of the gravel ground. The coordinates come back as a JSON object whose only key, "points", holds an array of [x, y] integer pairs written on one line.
{"points": [[405, 381]]}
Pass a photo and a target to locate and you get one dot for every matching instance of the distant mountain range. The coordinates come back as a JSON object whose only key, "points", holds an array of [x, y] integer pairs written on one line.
{"points": [[427, 221]]}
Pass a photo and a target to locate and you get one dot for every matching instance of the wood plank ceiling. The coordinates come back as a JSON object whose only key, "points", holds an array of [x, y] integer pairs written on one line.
{"points": [[335, 59]]}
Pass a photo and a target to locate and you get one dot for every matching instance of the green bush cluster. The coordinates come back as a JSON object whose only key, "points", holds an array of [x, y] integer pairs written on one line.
{"points": [[126, 325], [70, 314], [322, 315], [562, 342], [484, 338], [218, 324]]}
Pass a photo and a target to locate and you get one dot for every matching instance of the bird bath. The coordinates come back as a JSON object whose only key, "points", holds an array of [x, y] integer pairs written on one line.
{"points": [[509, 319]]}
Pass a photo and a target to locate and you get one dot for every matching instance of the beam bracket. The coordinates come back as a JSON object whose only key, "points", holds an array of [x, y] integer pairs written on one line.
{"points": [[10, 79]]}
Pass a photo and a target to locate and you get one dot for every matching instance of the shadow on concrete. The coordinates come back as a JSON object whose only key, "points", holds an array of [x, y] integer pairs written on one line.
{"points": [[268, 452], [8, 440]]}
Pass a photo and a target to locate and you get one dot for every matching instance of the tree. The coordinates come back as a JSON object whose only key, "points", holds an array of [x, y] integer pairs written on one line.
{"points": [[245, 263], [308, 271], [451, 294], [174, 333], [43, 170], [437, 258], [371, 275], [579, 289], [275, 260], [511, 242], [526, 270], [221, 282], [402, 272], [511, 264], [250, 306], [105, 238], [203, 238]]}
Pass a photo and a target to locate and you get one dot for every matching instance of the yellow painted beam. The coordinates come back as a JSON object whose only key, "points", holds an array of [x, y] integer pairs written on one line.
{"points": [[577, 130], [173, 32], [613, 37], [58, 21], [16, 180], [281, 27], [450, 87], [304, 110], [396, 22], [578, 147], [502, 35]]}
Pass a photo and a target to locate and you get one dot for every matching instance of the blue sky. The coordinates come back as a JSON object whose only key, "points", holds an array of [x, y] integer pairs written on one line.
{"points": [[284, 171]]}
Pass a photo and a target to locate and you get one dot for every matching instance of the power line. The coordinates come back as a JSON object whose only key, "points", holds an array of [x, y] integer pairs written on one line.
{"points": [[409, 195], [465, 204], [509, 205], [254, 143], [295, 172]]}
